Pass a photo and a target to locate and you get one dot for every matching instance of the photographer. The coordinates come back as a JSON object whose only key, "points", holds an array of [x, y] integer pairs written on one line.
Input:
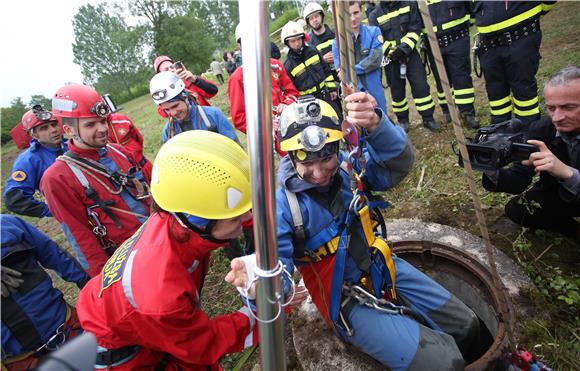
{"points": [[554, 200]]}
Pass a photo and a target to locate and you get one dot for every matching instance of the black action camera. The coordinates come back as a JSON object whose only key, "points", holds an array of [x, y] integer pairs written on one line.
{"points": [[495, 146]]}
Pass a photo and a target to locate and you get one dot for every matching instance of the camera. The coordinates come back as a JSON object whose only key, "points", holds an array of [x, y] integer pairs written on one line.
{"points": [[307, 110], [178, 65], [497, 145]]}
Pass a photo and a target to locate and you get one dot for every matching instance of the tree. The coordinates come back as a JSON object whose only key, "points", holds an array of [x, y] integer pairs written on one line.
{"points": [[45, 102], [220, 18], [186, 39], [11, 117], [109, 52]]}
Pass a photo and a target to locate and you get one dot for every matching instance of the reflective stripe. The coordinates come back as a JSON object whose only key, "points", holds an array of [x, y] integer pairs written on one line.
{"points": [[502, 111], [453, 23], [433, 1], [126, 281], [313, 89], [324, 45], [426, 107], [401, 109], [423, 100], [531, 112], [298, 69], [464, 91], [547, 7], [388, 44], [408, 41], [500, 102], [329, 78], [464, 100], [440, 95], [526, 103], [385, 17], [512, 21], [399, 104], [312, 60]]}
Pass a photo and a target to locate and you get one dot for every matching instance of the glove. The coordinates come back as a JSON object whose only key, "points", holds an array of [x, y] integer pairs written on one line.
{"points": [[398, 55], [11, 281]]}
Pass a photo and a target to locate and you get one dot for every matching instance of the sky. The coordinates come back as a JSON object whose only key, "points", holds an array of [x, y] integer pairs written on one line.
{"points": [[36, 47]]}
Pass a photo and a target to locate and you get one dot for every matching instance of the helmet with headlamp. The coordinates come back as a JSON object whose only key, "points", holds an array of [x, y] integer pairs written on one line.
{"points": [[308, 127], [166, 86], [35, 117]]}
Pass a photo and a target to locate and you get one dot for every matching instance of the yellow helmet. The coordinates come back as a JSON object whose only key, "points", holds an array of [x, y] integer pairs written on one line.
{"points": [[307, 126], [202, 173]]}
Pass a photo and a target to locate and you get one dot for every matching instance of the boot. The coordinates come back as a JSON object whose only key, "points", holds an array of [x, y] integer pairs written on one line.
{"points": [[471, 121], [431, 124], [404, 124]]}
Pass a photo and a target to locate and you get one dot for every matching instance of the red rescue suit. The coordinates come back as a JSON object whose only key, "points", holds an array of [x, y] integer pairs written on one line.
{"points": [[201, 95], [283, 91], [122, 131], [68, 203], [149, 295]]}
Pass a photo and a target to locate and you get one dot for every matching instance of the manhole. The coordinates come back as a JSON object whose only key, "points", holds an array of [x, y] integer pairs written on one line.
{"points": [[472, 283]]}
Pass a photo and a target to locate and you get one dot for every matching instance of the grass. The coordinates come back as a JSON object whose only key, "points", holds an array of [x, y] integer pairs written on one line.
{"points": [[442, 197]]}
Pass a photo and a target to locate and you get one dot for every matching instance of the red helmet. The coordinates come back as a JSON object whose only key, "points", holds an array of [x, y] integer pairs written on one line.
{"points": [[78, 101], [36, 117], [159, 60]]}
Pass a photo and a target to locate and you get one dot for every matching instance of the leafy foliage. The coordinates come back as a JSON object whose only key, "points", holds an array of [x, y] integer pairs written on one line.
{"points": [[45, 102], [11, 117]]}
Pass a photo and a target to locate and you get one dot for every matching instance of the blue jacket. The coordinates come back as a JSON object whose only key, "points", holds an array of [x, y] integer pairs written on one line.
{"points": [[32, 315], [368, 56], [219, 122], [389, 158], [24, 180]]}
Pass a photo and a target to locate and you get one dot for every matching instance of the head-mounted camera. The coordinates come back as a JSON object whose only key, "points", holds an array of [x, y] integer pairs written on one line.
{"points": [[307, 110], [41, 113]]}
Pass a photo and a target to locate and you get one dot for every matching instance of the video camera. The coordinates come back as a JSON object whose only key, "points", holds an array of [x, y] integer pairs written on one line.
{"points": [[497, 145]]}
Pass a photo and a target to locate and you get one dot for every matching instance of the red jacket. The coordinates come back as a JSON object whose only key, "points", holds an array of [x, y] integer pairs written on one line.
{"points": [[200, 94], [149, 295], [68, 202], [122, 131], [283, 91]]}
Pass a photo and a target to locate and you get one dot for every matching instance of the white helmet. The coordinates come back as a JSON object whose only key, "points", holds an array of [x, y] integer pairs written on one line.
{"points": [[291, 30], [238, 32], [165, 86], [310, 9]]}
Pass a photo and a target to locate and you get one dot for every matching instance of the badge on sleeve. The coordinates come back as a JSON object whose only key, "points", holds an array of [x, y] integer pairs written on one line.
{"points": [[19, 176]]}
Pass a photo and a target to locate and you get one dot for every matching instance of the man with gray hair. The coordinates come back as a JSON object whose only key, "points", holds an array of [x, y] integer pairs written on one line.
{"points": [[554, 200]]}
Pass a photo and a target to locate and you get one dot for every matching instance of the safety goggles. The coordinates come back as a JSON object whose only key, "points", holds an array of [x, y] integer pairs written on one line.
{"points": [[41, 114]]}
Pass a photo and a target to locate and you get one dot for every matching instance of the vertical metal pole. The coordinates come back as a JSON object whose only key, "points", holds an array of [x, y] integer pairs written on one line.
{"points": [[258, 99]]}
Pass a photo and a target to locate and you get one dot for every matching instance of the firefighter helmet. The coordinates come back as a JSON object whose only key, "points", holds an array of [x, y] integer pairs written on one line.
{"points": [[291, 30], [165, 86], [307, 126], [202, 173], [78, 101], [310, 9]]}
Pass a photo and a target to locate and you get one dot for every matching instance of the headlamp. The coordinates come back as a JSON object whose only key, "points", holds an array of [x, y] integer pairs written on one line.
{"points": [[101, 109], [313, 138], [159, 94], [41, 113]]}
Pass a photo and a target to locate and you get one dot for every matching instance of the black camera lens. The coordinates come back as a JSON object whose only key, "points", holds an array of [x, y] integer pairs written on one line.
{"points": [[313, 110]]}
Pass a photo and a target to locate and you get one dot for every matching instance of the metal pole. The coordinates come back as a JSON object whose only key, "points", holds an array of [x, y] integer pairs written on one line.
{"points": [[258, 99], [460, 136]]}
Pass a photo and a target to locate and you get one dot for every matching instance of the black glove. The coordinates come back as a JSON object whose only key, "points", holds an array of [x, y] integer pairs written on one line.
{"points": [[11, 281], [398, 55]]}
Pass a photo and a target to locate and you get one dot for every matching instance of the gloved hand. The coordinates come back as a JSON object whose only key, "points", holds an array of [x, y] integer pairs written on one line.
{"points": [[398, 55], [11, 281], [242, 275]]}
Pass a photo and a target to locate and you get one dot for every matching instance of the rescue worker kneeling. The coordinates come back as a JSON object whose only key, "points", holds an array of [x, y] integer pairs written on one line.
{"points": [[144, 307], [372, 299]]}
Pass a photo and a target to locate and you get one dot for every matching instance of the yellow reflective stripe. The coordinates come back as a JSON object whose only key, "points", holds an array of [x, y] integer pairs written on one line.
{"points": [[387, 44], [465, 100], [331, 84], [454, 23], [298, 69], [329, 78], [441, 95], [526, 103], [324, 45], [424, 108], [547, 7], [408, 41], [423, 100], [500, 102], [510, 22], [385, 17], [464, 91], [442, 101], [502, 111], [401, 109], [534, 111], [413, 35], [401, 103], [433, 1], [308, 91], [312, 60]]}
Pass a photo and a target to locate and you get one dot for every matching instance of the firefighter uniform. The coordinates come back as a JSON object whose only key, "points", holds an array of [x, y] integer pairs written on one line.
{"points": [[322, 42], [145, 307], [451, 22], [509, 53], [283, 91], [106, 183], [24, 180], [310, 74], [401, 25], [35, 317]]}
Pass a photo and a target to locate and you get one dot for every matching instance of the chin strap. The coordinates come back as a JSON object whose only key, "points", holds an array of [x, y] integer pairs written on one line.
{"points": [[205, 233]]}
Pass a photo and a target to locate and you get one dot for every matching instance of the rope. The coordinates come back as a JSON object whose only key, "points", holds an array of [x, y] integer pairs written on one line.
{"points": [[458, 130], [85, 168], [345, 46]]}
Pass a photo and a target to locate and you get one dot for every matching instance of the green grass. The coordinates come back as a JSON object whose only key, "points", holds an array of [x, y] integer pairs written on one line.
{"points": [[442, 197]]}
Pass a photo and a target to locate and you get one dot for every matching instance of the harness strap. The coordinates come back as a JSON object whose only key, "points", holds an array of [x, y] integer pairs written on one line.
{"points": [[204, 118]]}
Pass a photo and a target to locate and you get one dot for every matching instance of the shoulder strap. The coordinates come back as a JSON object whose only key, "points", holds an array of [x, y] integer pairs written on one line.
{"points": [[205, 119], [79, 174], [129, 159], [299, 234]]}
